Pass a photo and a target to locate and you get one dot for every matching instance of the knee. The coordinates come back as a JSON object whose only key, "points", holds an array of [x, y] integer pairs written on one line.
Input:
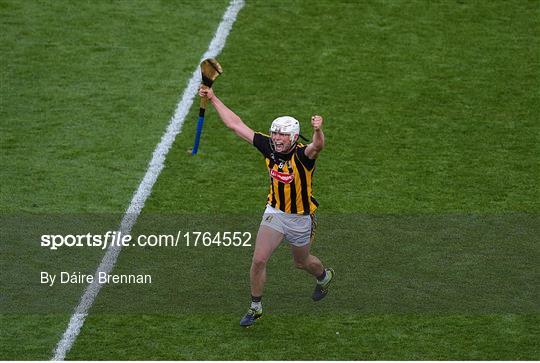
{"points": [[258, 263]]}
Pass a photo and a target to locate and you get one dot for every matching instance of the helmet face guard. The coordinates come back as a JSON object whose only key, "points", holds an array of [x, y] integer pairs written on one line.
{"points": [[285, 125]]}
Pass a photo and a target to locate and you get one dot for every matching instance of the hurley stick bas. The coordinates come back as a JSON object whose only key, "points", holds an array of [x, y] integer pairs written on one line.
{"points": [[210, 70]]}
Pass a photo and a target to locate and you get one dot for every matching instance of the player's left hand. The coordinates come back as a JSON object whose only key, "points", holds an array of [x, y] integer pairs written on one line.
{"points": [[316, 122]]}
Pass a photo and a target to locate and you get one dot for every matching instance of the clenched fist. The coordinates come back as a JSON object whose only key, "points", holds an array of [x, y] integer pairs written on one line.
{"points": [[205, 91], [316, 122]]}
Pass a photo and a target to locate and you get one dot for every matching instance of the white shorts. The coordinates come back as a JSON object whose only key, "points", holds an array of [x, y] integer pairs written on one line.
{"points": [[297, 228]]}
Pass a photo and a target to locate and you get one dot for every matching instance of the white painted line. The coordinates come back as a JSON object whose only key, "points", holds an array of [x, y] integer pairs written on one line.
{"points": [[145, 187]]}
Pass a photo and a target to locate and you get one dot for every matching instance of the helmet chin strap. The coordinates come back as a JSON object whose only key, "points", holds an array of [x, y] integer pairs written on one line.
{"points": [[293, 144], [290, 148]]}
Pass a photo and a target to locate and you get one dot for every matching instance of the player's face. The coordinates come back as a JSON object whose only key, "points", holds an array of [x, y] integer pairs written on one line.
{"points": [[281, 141]]}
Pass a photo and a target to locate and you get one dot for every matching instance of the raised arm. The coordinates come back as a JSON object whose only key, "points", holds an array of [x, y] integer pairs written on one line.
{"points": [[317, 143], [229, 118]]}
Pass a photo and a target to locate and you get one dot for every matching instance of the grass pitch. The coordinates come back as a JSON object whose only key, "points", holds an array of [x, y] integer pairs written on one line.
{"points": [[428, 185]]}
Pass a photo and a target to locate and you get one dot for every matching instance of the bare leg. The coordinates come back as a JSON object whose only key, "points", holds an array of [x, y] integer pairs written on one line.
{"points": [[304, 260], [267, 241]]}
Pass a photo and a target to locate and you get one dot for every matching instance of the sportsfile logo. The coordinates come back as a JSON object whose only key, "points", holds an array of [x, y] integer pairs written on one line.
{"points": [[120, 239], [282, 177]]}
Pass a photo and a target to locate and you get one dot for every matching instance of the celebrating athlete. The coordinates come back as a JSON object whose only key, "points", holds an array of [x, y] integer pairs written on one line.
{"points": [[290, 209]]}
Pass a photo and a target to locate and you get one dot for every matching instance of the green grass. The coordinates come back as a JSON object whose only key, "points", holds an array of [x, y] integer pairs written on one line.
{"points": [[335, 337], [429, 108], [428, 184], [87, 91], [30, 336]]}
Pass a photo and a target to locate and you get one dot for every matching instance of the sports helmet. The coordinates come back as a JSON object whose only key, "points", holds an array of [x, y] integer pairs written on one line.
{"points": [[286, 125]]}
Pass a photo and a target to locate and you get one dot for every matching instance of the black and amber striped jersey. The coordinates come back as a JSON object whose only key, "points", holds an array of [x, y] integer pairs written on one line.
{"points": [[290, 177]]}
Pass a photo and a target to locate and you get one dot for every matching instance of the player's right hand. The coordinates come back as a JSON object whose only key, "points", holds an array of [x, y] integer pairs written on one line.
{"points": [[205, 91]]}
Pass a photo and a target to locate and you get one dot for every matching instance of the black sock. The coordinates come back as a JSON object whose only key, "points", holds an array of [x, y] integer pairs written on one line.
{"points": [[322, 276], [256, 298]]}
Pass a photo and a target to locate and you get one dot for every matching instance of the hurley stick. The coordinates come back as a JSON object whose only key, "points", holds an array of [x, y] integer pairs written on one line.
{"points": [[210, 70]]}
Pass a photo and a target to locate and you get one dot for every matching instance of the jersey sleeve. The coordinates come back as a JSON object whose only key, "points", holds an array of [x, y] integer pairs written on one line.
{"points": [[262, 143], [308, 163]]}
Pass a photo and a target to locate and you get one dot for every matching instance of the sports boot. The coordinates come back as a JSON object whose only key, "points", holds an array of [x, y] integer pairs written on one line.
{"points": [[251, 316], [321, 289]]}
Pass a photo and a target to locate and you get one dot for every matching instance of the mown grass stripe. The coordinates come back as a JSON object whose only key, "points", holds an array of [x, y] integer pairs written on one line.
{"points": [[155, 167]]}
